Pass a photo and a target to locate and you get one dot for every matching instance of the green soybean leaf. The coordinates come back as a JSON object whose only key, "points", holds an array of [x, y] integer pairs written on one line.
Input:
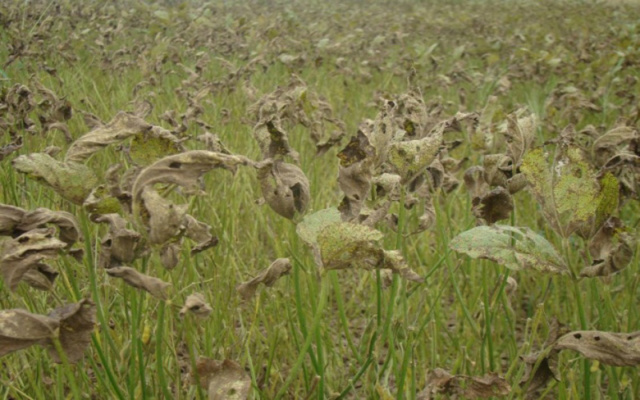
{"points": [[515, 248]]}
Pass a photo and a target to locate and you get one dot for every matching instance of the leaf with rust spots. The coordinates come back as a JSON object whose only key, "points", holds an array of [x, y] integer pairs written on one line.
{"points": [[268, 277], [26, 252], [224, 380], [410, 158], [73, 181], [120, 128], [196, 304], [77, 322], [285, 188], [20, 329], [611, 348], [358, 149], [441, 382], [528, 250], [156, 287]]}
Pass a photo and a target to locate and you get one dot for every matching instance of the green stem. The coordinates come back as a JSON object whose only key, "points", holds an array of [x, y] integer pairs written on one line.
{"points": [[307, 343], [159, 349], [67, 368]]}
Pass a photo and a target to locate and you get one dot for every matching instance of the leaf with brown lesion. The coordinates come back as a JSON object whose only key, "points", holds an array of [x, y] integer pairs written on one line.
{"points": [[77, 322], [441, 382], [20, 329], [611, 348], [285, 188], [121, 245], [268, 277]]}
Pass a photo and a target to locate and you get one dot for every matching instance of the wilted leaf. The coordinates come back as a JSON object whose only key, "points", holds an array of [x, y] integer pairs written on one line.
{"points": [[442, 382], [268, 277], [542, 366], [69, 230], [520, 134], [100, 201], [617, 349], [184, 169], [156, 287], [77, 321], [515, 248], [610, 249], [42, 277], [568, 191], [412, 157], [200, 233], [162, 217], [20, 329], [285, 188], [71, 180], [196, 304], [121, 244], [121, 127], [169, 255], [224, 380], [494, 206], [26, 252], [7, 149]]}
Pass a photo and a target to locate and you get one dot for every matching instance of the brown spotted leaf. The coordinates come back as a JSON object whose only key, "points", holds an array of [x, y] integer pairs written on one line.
{"points": [[121, 245], [520, 134], [199, 232], [285, 188], [20, 329], [148, 146], [196, 304], [162, 217], [268, 277], [610, 248], [611, 348], [26, 252], [77, 322], [493, 206], [156, 287]]}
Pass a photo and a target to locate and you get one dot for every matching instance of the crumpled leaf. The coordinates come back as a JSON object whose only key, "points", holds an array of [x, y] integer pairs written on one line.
{"points": [[121, 245], [7, 149], [200, 233], [196, 304], [285, 188], [42, 277], [156, 287], [611, 348], [169, 255], [339, 245], [273, 141], [493, 206], [121, 127], [542, 366], [73, 181], [184, 169], [520, 134], [162, 217], [26, 252], [610, 249], [100, 201], [442, 382], [77, 322], [20, 329], [268, 277], [15, 221], [409, 158], [224, 380], [568, 191], [529, 250]]}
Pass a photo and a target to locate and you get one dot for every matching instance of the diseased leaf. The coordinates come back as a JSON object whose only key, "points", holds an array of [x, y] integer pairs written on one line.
{"points": [[224, 380], [121, 127], [268, 277], [200, 233], [542, 366], [156, 287], [121, 245], [73, 181], [7, 149], [197, 305], [528, 250], [42, 277], [568, 191], [520, 134], [184, 169], [150, 145], [26, 252], [611, 348], [77, 321], [20, 329], [494, 206], [285, 188], [412, 157], [610, 249], [162, 218], [312, 224], [442, 382], [100, 201]]}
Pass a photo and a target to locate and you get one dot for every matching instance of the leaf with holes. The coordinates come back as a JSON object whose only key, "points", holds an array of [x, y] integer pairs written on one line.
{"points": [[611, 348]]}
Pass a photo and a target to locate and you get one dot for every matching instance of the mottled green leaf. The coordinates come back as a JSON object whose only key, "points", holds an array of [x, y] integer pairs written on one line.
{"points": [[73, 181], [515, 248]]}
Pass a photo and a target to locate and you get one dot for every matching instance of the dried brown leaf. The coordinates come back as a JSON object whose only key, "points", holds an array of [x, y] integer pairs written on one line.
{"points": [[224, 380], [196, 304], [77, 321], [442, 382], [285, 188], [20, 329], [611, 348], [156, 287], [268, 277]]}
